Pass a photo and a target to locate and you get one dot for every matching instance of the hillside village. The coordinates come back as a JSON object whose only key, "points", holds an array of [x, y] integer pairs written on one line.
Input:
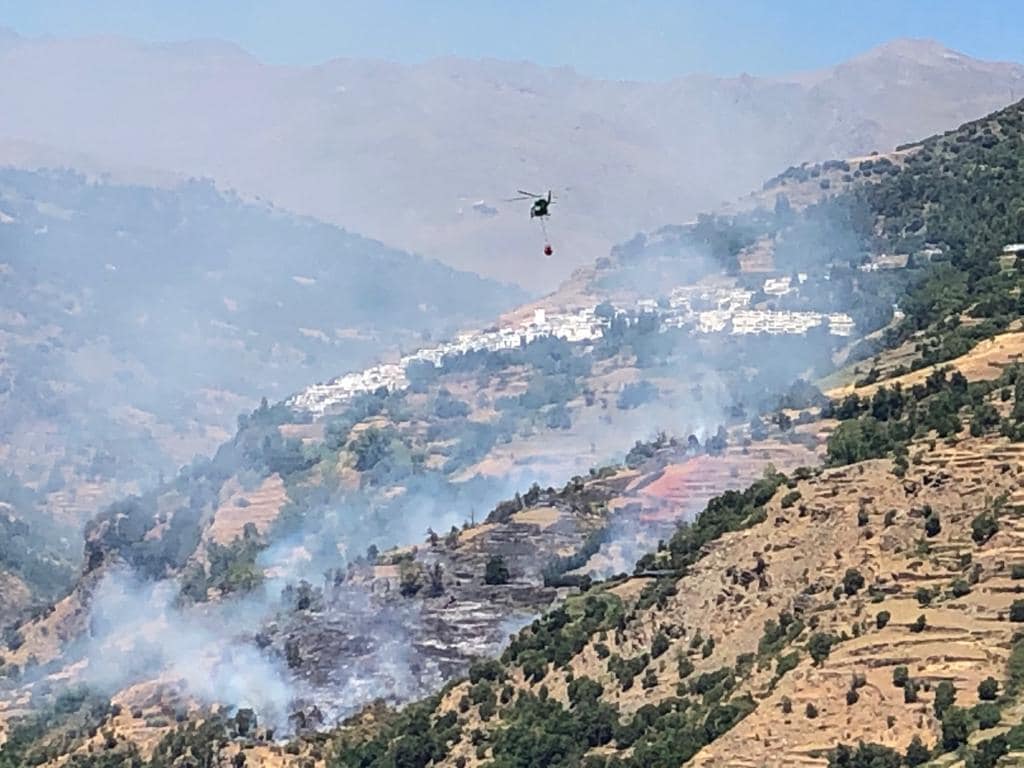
{"points": [[701, 309]]}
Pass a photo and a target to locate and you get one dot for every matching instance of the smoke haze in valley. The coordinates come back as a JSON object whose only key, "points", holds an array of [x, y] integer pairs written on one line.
{"points": [[144, 310], [461, 132]]}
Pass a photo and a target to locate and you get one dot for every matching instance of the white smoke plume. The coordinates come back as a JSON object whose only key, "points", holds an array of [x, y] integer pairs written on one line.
{"points": [[137, 632]]}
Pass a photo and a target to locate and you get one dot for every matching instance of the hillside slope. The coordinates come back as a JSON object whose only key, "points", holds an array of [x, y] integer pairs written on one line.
{"points": [[860, 591], [308, 138], [867, 602], [782, 638], [138, 322], [314, 490]]}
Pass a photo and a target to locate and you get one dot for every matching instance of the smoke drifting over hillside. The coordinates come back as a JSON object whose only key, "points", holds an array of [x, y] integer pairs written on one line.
{"points": [[340, 641], [141, 321], [138, 633], [315, 639]]}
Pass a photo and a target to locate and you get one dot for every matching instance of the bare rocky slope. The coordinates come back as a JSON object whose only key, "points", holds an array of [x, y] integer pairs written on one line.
{"points": [[309, 138]]}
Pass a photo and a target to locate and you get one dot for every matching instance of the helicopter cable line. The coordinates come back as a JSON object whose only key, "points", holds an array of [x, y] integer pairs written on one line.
{"points": [[539, 209], [547, 241]]}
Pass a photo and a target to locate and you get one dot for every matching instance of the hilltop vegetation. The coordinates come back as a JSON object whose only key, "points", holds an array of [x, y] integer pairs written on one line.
{"points": [[961, 193], [948, 205]]}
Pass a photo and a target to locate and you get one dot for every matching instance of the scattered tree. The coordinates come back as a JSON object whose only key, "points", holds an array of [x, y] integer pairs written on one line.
{"points": [[853, 581], [820, 645], [900, 676], [988, 689], [945, 696], [496, 572], [984, 527]]}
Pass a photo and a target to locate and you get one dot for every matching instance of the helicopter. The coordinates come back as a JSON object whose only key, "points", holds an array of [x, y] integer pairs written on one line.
{"points": [[538, 210], [540, 204]]}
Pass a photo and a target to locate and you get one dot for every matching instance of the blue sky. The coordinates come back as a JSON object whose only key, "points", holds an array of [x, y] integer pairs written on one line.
{"points": [[645, 40]]}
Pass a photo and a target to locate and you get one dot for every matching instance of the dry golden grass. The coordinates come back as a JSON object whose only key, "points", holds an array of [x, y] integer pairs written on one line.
{"points": [[759, 257], [542, 517], [264, 505], [984, 362]]}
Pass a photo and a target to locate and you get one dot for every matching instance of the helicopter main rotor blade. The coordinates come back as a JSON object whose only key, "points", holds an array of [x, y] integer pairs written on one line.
{"points": [[515, 199], [528, 194]]}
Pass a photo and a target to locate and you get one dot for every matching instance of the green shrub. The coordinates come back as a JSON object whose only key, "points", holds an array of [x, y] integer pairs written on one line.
{"points": [[900, 675], [650, 679], [984, 527], [490, 669], [1015, 667], [685, 667], [988, 689], [960, 588], [945, 695], [496, 571], [917, 754], [987, 715], [708, 648], [820, 645], [853, 581], [659, 645], [864, 756], [909, 691], [710, 680], [956, 727], [786, 663], [790, 499], [1017, 611]]}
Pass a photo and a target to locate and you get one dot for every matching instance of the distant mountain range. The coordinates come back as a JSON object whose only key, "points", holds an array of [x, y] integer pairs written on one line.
{"points": [[403, 153]]}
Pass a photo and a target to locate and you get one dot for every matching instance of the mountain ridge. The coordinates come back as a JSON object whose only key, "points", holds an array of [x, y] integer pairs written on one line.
{"points": [[522, 125]]}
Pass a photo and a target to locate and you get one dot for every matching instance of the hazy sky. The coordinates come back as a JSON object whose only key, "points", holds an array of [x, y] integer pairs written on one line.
{"points": [[652, 39]]}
